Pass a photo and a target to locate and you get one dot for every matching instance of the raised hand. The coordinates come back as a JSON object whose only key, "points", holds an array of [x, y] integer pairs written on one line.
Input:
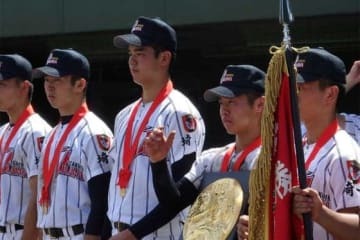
{"points": [[157, 146]]}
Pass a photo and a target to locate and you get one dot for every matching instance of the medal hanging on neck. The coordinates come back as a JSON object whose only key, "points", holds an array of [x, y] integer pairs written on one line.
{"points": [[130, 148], [48, 171]]}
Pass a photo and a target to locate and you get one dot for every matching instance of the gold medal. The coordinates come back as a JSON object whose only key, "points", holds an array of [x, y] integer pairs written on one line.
{"points": [[215, 211], [44, 209], [122, 192]]}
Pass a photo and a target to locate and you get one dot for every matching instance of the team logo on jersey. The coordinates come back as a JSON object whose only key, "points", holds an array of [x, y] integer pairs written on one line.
{"points": [[12, 167], [104, 142], [39, 142], [354, 171], [72, 169], [189, 122]]}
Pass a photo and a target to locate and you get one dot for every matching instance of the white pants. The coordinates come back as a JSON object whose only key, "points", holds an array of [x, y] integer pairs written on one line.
{"points": [[16, 235], [77, 237]]}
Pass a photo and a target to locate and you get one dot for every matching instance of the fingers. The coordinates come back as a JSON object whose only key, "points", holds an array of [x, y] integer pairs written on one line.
{"points": [[243, 227], [156, 145]]}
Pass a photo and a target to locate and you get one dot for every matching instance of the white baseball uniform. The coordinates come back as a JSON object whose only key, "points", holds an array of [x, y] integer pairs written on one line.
{"points": [[352, 125], [20, 162], [84, 155], [211, 161], [335, 174], [175, 112]]}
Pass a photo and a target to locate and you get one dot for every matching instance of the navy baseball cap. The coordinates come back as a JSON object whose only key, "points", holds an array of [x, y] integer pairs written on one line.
{"points": [[149, 32], [237, 80], [14, 65], [63, 62], [317, 63]]}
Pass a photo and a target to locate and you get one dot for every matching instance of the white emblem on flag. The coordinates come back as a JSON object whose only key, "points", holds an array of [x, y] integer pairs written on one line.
{"points": [[282, 180]]}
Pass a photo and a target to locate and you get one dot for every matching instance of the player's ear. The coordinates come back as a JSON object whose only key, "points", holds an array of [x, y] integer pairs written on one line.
{"points": [[259, 104], [331, 94], [165, 58], [25, 85], [81, 84]]}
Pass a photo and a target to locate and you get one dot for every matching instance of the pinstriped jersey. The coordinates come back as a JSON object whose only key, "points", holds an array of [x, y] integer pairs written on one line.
{"points": [[352, 125], [84, 155], [335, 174], [20, 163], [211, 161], [175, 112]]}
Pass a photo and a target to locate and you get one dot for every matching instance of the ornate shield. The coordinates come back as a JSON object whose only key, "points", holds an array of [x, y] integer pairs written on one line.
{"points": [[215, 211]]}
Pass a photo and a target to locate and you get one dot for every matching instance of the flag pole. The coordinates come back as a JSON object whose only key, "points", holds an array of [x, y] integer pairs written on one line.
{"points": [[285, 18]]}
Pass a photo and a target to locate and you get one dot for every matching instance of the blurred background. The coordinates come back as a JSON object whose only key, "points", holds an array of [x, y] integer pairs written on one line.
{"points": [[211, 35]]}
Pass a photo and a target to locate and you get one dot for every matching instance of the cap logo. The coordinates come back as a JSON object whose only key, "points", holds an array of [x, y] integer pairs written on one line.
{"points": [[227, 77], [52, 60], [137, 26], [300, 63]]}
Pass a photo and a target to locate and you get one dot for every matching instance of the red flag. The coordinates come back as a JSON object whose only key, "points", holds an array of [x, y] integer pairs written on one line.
{"points": [[270, 210], [283, 169]]}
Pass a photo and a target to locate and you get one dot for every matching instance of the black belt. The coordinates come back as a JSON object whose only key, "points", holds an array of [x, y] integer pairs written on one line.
{"points": [[121, 226], [58, 232], [17, 227]]}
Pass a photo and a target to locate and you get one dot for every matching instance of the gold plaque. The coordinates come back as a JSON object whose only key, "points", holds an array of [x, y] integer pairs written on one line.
{"points": [[215, 211]]}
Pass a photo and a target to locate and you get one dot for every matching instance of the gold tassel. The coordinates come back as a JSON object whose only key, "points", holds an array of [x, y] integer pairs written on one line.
{"points": [[260, 177]]}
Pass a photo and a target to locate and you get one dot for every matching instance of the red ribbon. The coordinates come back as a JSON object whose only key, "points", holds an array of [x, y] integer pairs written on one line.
{"points": [[130, 149], [239, 161], [48, 173], [23, 117], [324, 138]]}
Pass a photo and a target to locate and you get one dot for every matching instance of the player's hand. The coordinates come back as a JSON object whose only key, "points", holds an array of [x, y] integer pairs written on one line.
{"points": [[353, 77], [305, 201], [157, 146], [124, 235], [243, 227]]}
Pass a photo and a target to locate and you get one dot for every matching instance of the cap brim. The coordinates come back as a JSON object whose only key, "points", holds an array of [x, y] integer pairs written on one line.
{"points": [[45, 71], [123, 41], [214, 94]]}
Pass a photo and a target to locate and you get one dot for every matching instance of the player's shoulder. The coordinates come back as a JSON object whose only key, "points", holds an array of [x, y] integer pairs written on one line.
{"points": [[36, 125], [351, 118], [181, 105], [125, 112], [216, 151], [96, 125], [346, 146]]}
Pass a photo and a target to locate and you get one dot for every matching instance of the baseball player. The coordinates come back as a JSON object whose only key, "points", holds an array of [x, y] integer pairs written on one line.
{"points": [[74, 167], [332, 157], [346, 224], [20, 145], [241, 99], [152, 45], [351, 122]]}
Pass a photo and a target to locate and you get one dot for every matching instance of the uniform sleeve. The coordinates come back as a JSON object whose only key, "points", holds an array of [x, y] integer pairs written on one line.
{"points": [[32, 146], [97, 153], [189, 137], [344, 177]]}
